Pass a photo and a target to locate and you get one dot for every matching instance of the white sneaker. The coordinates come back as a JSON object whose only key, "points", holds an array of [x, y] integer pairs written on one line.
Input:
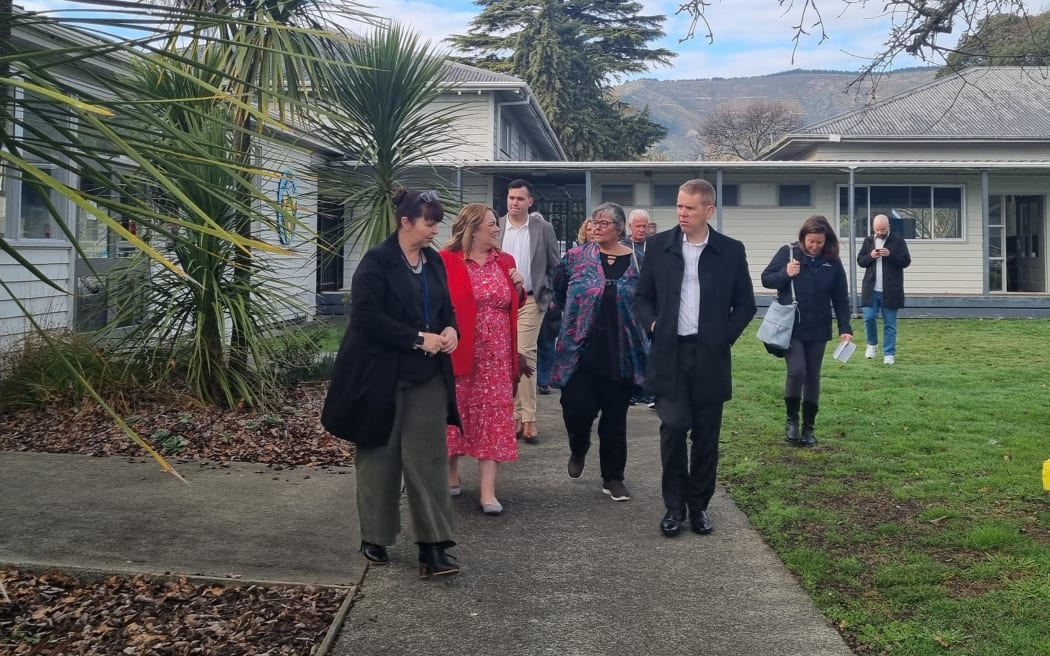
{"points": [[869, 351], [887, 359]]}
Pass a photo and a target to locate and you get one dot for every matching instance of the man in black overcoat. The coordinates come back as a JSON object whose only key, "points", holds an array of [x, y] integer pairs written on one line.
{"points": [[695, 297]]}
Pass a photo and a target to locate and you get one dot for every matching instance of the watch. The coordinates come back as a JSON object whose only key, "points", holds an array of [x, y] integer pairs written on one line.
{"points": [[419, 340]]}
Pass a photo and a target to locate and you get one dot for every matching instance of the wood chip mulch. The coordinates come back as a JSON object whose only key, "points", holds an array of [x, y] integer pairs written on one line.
{"points": [[289, 435], [51, 614]]}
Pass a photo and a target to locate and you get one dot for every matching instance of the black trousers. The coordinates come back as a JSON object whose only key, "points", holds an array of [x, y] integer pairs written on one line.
{"points": [[804, 360], [582, 399], [688, 480]]}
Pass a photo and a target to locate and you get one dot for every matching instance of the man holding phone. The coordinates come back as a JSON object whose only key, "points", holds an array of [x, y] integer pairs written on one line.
{"points": [[884, 257]]}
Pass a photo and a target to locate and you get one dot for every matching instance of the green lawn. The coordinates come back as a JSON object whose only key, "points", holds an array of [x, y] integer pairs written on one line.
{"points": [[918, 523]]}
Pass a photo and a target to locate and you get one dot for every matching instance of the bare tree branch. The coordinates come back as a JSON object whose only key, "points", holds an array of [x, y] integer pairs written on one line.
{"points": [[917, 27], [742, 131]]}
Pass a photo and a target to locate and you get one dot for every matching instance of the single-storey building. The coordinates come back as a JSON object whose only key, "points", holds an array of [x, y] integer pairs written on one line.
{"points": [[961, 164]]}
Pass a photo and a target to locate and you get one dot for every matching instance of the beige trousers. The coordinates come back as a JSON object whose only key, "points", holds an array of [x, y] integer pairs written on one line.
{"points": [[529, 319]]}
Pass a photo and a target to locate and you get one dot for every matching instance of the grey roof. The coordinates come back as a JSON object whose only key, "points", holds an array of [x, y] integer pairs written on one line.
{"points": [[456, 73], [977, 103]]}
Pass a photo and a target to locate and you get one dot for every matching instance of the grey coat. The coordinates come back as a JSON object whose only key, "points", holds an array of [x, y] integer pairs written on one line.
{"points": [[545, 256]]}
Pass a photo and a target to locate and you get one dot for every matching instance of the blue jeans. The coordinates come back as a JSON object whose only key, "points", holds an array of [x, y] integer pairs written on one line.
{"points": [[889, 325], [545, 353]]}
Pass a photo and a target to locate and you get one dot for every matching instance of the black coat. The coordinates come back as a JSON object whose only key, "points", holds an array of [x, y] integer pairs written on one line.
{"points": [[893, 266], [384, 322], [727, 305], [818, 289]]}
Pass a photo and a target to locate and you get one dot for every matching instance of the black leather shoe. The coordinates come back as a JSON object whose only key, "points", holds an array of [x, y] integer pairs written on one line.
{"points": [[433, 561], [671, 524], [701, 523], [576, 466], [374, 553]]}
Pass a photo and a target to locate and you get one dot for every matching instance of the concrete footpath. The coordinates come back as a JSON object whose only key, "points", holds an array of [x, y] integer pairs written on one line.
{"points": [[565, 571]]}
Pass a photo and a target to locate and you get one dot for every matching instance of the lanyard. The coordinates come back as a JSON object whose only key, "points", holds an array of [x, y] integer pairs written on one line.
{"points": [[426, 296], [426, 287]]}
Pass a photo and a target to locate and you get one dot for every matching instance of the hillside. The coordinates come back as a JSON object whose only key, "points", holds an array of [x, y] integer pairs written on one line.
{"points": [[679, 105]]}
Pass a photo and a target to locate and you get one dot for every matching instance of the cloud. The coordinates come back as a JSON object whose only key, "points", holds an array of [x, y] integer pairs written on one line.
{"points": [[749, 38]]}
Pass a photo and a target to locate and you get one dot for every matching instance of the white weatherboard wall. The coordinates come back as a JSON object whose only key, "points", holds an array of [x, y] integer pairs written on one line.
{"points": [[470, 132], [295, 269], [49, 307]]}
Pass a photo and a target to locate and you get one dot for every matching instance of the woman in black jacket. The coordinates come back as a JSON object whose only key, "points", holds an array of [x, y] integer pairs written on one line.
{"points": [[813, 265], [392, 391]]}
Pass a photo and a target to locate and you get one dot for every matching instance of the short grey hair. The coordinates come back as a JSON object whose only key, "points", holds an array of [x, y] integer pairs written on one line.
{"points": [[638, 214], [615, 212]]}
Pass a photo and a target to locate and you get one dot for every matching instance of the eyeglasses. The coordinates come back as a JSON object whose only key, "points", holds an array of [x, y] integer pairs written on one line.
{"points": [[602, 224], [428, 196]]}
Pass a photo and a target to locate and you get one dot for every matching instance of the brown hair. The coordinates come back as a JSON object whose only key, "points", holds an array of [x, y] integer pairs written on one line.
{"points": [[819, 225], [414, 205], [701, 187], [465, 225]]}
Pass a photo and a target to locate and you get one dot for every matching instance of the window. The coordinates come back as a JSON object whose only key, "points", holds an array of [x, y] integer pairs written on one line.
{"points": [[621, 194], [665, 195], [730, 196], [37, 222], [915, 211], [506, 135], [794, 195], [29, 205]]}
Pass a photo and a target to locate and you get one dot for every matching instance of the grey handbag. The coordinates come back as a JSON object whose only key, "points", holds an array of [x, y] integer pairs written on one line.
{"points": [[779, 321]]}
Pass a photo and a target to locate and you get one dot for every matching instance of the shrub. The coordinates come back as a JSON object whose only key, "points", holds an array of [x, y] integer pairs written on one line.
{"points": [[42, 371]]}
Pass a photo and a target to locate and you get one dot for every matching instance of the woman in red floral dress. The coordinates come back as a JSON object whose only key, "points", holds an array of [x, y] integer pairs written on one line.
{"points": [[486, 290]]}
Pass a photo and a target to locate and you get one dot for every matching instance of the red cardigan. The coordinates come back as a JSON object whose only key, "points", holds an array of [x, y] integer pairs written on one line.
{"points": [[467, 310]]}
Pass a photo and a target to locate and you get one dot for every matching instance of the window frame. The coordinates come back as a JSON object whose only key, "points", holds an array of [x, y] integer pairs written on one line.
{"points": [[13, 221], [795, 187], [877, 206], [627, 189]]}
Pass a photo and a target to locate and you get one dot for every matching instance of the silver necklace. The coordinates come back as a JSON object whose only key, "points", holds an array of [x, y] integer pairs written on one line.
{"points": [[414, 268]]}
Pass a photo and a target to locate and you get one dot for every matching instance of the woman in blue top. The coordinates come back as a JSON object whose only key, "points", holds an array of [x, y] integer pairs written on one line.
{"points": [[600, 354], [819, 278]]}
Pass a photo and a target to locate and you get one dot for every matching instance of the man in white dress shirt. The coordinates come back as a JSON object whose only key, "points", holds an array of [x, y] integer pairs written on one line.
{"points": [[531, 241]]}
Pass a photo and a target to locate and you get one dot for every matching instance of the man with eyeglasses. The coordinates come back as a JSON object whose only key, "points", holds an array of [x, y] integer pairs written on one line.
{"points": [[695, 298], [530, 239]]}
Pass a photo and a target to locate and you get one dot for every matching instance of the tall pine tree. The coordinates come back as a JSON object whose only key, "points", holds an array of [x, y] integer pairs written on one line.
{"points": [[569, 52]]}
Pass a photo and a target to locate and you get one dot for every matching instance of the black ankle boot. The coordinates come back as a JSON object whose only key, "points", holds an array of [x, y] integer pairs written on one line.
{"points": [[809, 416], [374, 553], [791, 405], [433, 561]]}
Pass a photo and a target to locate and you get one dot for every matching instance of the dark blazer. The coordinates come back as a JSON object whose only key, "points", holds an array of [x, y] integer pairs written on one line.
{"points": [[819, 286], [384, 322], [545, 256], [727, 305], [893, 267]]}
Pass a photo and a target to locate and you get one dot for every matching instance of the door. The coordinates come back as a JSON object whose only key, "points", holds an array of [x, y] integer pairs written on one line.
{"points": [[330, 262], [1030, 244]]}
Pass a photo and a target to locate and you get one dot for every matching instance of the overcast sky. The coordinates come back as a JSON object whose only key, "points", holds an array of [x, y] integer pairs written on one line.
{"points": [[750, 37]]}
